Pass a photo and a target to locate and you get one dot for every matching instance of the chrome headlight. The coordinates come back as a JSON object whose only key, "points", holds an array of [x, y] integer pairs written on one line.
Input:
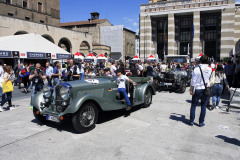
{"points": [[65, 93], [47, 91]]}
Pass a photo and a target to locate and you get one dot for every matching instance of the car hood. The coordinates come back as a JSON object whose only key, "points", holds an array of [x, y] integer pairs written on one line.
{"points": [[87, 82]]}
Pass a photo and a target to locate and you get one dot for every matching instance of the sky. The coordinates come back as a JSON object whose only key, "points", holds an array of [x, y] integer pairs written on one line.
{"points": [[118, 12]]}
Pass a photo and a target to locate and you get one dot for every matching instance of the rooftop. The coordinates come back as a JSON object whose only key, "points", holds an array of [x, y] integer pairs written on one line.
{"points": [[79, 23]]}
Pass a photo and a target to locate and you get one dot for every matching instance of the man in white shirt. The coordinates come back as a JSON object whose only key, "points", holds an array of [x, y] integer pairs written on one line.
{"points": [[197, 90], [163, 68], [121, 81], [81, 69], [73, 72], [113, 68], [140, 68], [49, 72]]}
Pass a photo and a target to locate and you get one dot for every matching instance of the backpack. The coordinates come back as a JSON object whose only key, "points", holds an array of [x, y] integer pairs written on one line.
{"points": [[24, 72]]}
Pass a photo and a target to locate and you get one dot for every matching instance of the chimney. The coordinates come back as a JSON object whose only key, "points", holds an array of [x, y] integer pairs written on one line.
{"points": [[95, 15]]}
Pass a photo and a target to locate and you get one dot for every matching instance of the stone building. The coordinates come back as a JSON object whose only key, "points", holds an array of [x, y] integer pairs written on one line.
{"points": [[137, 45], [41, 17], [39, 11], [189, 27], [129, 38], [91, 26]]}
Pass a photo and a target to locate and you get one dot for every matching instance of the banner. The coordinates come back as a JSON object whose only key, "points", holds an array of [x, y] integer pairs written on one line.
{"points": [[36, 55], [101, 60], [5, 54], [63, 56], [15, 54], [48, 55], [88, 60]]}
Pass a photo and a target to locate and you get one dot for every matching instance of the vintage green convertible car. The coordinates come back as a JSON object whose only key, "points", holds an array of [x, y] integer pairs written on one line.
{"points": [[82, 100]]}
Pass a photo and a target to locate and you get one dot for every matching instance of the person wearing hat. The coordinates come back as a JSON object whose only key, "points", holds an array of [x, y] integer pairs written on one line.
{"points": [[121, 81]]}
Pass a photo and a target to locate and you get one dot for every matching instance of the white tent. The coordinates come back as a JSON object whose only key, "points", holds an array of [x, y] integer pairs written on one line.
{"points": [[30, 45]]}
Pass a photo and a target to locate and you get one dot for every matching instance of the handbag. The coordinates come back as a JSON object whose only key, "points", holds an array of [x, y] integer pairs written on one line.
{"points": [[7, 86], [212, 79], [208, 90]]}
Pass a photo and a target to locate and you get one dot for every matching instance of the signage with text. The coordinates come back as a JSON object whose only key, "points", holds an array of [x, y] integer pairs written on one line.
{"points": [[101, 61], [63, 56], [5, 54], [36, 55], [88, 60]]}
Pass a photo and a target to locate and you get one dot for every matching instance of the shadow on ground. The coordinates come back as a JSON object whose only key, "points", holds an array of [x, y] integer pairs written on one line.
{"points": [[103, 117], [233, 141], [180, 118]]}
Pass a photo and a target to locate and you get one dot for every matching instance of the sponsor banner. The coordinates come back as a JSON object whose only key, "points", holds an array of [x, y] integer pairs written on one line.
{"points": [[23, 55], [5, 54], [63, 56], [54, 56], [48, 55], [101, 60], [36, 55], [15, 54], [88, 60]]}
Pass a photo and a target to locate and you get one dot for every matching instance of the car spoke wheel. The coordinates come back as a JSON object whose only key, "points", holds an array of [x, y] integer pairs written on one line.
{"points": [[85, 118], [148, 98]]}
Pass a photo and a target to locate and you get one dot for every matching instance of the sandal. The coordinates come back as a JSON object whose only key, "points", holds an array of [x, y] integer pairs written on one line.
{"points": [[128, 108]]}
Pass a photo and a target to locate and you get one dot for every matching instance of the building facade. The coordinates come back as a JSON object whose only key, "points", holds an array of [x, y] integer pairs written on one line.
{"points": [[137, 45], [129, 38], [91, 26], [39, 11], [121, 40], [41, 17], [189, 27]]}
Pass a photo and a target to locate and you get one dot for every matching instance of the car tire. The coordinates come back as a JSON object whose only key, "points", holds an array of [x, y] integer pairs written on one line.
{"points": [[40, 118], [147, 98], [85, 118], [182, 86]]}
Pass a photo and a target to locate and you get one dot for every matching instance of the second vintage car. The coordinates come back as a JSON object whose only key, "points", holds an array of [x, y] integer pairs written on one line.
{"points": [[83, 100]]}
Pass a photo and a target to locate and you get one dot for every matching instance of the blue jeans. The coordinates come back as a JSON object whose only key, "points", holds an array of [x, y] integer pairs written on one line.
{"points": [[49, 81], [217, 93], [55, 82], [38, 87], [81, 76], [124, 92], [199, 94], [8, 99]]}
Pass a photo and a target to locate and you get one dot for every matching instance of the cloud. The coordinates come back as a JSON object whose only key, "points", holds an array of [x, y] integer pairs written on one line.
{"points": [[128, 19], [135, 23], [131, 24]]}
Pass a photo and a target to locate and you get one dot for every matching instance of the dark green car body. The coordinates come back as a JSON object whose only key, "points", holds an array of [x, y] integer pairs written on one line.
{"points": [[101, 92]]}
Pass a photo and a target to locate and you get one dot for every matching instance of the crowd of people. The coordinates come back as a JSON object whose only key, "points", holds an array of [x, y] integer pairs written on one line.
{"points": [[34, 75]]}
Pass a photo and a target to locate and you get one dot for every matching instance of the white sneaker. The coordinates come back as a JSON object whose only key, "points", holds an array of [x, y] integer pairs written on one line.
{"points": [[217, 107], [1, 109], [12, 108]]}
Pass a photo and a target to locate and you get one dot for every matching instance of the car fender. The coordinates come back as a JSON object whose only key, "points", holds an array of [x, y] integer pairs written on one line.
{"points": [[143, 90], [77, 103], [36, 100]]}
